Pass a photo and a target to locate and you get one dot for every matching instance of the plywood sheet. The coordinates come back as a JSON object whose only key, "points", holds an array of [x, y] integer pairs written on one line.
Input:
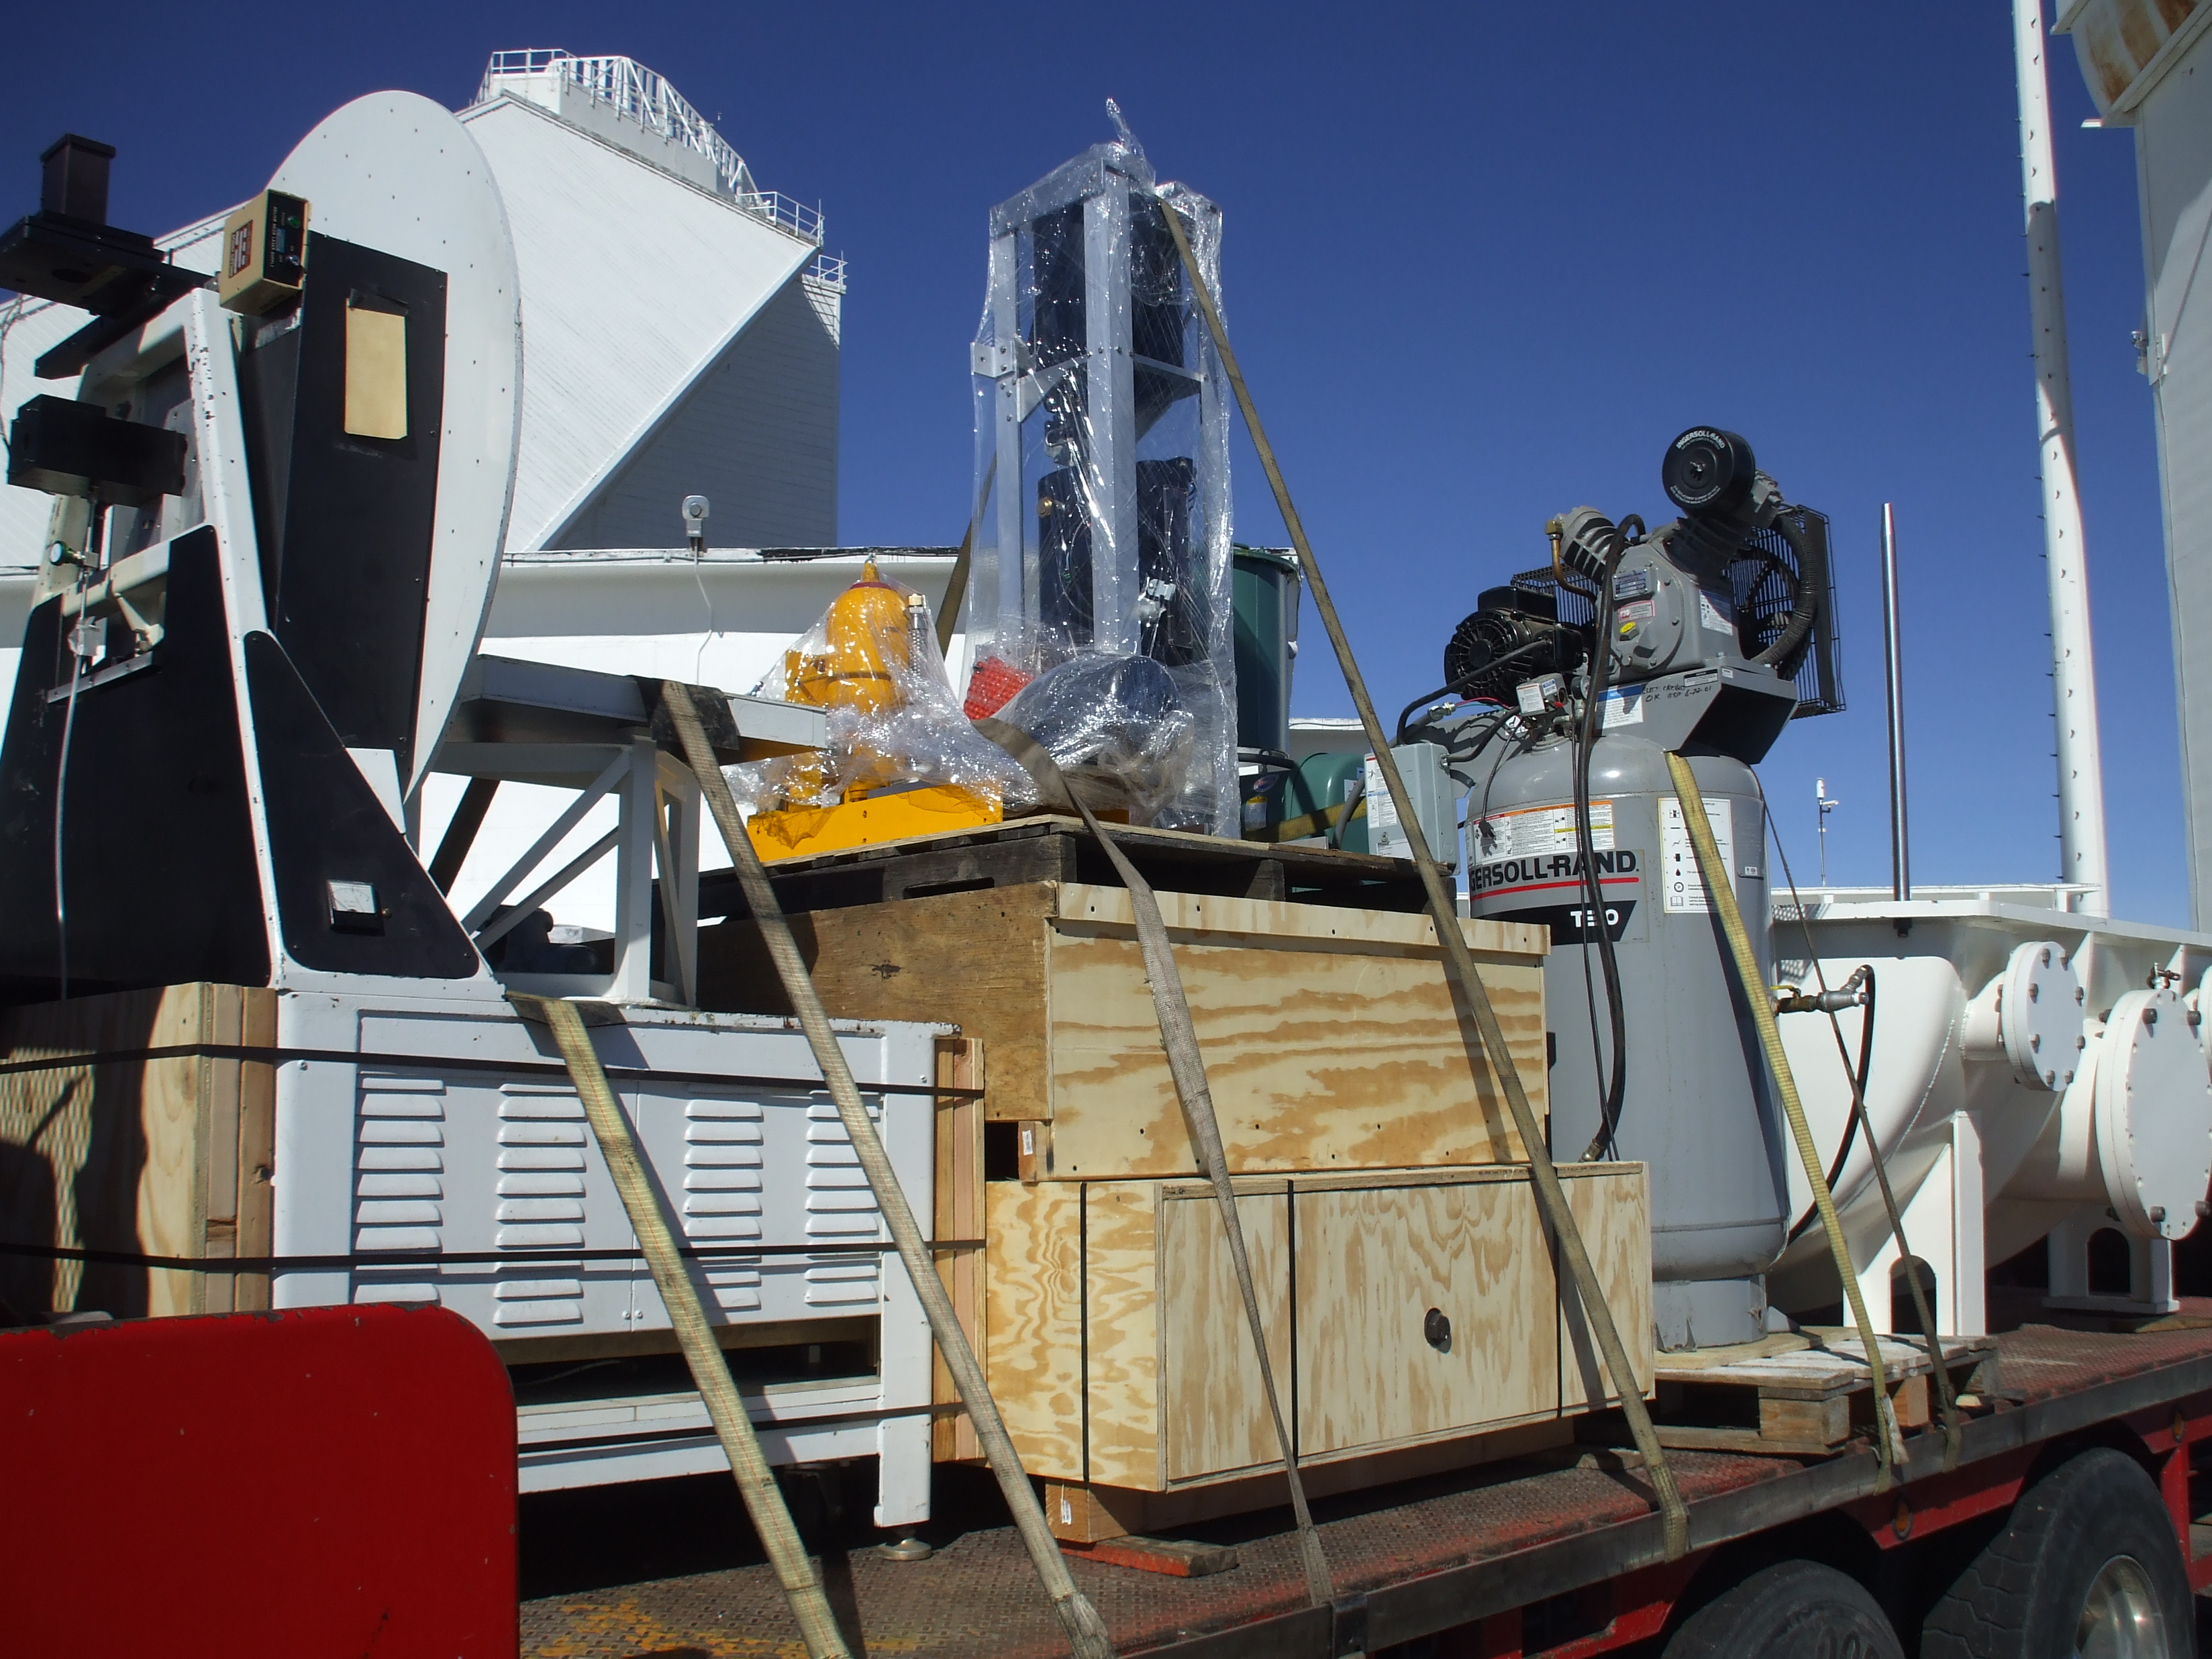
{"points": [[106, 1147], [1213, 1405], [976, 959], [1371, 1263], [1122, 1334], [1033, 1334], [1611, 1204], [1314, 1059]]}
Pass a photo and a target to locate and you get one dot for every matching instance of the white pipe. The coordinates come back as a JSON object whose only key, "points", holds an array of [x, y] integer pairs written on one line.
{"points": [[1892, 658], [2072, 666]]}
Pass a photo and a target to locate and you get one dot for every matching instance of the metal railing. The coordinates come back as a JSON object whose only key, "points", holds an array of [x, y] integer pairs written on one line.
{"points": [[829, 270], [640, 94]]}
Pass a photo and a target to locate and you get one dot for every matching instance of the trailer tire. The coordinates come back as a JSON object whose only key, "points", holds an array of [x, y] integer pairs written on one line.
{"points": [[2090, 1541], [1791, 1610]]}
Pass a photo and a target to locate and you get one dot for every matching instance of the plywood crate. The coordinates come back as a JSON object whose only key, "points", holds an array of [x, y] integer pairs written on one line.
{"points": [[1117, 1348], [1329, 1034], [136, 1123]]}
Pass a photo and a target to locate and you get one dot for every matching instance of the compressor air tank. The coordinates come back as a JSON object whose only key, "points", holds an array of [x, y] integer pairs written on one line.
{"points": [[1698, 1105], [1696, 638]]}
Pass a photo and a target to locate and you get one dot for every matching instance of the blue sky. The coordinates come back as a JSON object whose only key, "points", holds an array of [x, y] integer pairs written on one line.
{"points": [[1481, 262]]}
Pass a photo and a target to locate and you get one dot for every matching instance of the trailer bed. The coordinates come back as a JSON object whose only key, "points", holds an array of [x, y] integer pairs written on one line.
{"points": [[1569, 1540]]}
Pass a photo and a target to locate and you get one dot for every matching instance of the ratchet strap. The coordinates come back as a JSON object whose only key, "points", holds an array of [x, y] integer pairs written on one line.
{"points": [[1085, 1631], [1179, 1038], [710, 1371], [1468, 995], [1720, 893]]}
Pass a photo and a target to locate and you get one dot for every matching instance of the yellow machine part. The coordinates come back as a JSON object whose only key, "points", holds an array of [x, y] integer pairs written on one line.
{"points": [[865, 622], [799, 831]]}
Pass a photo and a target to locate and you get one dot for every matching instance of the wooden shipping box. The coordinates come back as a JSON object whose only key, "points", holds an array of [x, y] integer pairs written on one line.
{"points": [[130, 1123], [1329, 1034], [1117, 1348]]}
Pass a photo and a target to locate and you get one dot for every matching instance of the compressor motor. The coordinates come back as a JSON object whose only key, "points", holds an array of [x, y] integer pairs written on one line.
{"points": [[1704, 636]]}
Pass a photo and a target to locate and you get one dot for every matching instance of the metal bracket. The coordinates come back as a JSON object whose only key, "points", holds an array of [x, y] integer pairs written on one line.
{"points": [[1347, 1627]]}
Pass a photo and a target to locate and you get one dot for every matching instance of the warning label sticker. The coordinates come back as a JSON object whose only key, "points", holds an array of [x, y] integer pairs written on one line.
{"points": [[1531, 853], [1714, 612], [1623, 707], [1681, 889], [1529, 831]]}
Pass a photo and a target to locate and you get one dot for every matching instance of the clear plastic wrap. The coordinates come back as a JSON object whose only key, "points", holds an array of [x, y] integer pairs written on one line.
{"points": [[871, 663], [1117, 728], [1103, 460]]}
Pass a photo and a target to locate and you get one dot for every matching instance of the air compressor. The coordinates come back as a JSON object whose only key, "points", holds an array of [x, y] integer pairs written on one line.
{"points": [[1704, 636]]}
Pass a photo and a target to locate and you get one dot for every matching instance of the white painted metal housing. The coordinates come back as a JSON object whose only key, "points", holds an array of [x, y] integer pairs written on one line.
{"points": [[2011, 1096], [397, 1140]]}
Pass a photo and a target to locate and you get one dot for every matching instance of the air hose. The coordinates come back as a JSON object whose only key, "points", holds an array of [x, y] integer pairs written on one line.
{"points": [[1720, 888], [1811, 584]]}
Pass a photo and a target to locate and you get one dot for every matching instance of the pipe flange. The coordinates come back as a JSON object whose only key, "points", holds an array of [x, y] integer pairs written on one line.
{"points": [[2154, 1114], [2030, 1017]]}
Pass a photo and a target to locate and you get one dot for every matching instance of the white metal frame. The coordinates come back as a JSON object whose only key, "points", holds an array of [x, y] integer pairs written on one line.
{"points": [[656, 831]]}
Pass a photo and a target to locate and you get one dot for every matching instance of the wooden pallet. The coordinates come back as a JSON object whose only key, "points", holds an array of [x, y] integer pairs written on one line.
{"points": [[1053, 848], [1802, 1394]]}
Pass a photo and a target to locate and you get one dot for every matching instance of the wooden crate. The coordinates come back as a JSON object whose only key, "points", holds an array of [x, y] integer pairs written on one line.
{"points": [[1329, 1034], [1116, 1338], [128, 1123]]}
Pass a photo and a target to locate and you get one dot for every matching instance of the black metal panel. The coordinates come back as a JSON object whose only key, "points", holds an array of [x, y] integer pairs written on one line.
{"points": [[71, 448], [268, 380], [346, 547], [326, 825], [159, 871]]}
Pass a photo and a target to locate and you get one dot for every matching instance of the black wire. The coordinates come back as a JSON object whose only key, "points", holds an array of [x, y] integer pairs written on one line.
{"points": [[1499, 722], [1514, 655], [1592, 724]]}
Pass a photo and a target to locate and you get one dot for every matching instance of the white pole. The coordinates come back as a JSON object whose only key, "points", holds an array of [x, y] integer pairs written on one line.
{"points": [[1893, 657], [2073, 666]]}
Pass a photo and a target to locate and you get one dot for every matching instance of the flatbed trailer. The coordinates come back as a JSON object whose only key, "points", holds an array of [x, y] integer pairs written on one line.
{"points": [[1559, 1555]]}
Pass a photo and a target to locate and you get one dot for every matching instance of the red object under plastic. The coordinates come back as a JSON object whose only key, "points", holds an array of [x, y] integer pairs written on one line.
{"points": [[321, 1480], [991, 687]]}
